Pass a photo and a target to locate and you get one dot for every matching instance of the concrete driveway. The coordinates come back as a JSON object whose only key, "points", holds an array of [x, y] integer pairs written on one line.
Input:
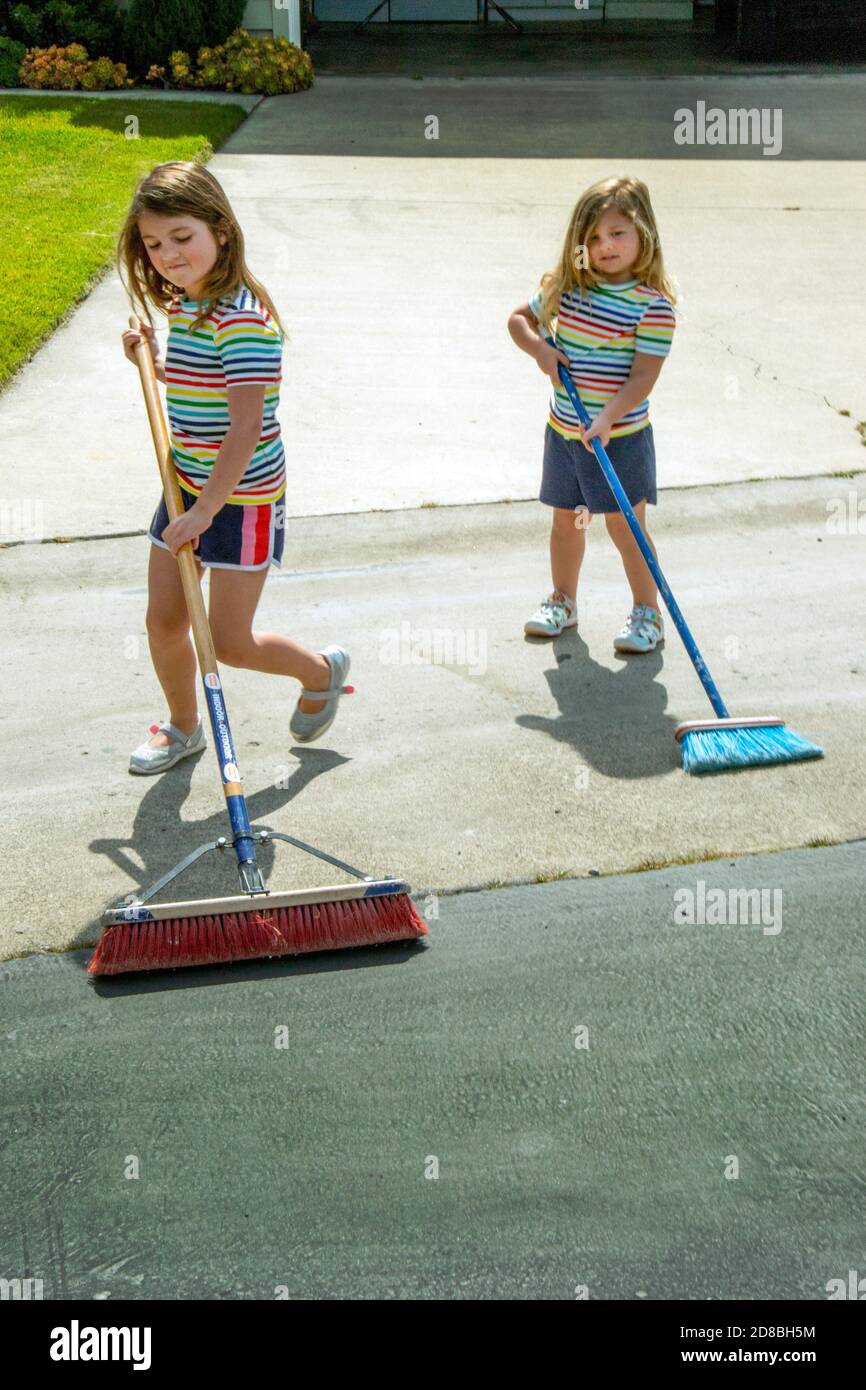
{"points": [[396, 260], [469, 754]]}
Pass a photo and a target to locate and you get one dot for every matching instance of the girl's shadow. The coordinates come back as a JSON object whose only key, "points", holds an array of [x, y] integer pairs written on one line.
{"points": [[614, 720], [160, 838]]}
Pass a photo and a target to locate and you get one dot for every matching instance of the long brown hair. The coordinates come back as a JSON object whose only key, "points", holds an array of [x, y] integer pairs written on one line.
{"points": [[177, 189], [629, 196]]}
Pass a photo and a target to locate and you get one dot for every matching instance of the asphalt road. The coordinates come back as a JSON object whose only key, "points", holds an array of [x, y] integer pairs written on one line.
{"points": [[566, 1093]]}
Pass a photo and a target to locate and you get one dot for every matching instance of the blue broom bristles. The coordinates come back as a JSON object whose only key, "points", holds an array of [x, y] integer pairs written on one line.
{"points": [[714, 750]]}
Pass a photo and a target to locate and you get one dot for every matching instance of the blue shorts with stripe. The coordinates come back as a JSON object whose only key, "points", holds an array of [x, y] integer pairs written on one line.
{"points": [[240, 537]]}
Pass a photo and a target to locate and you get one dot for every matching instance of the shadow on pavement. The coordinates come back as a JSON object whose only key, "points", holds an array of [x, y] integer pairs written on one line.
{"points": [[243, 972], [161, 838], [614, 720]]}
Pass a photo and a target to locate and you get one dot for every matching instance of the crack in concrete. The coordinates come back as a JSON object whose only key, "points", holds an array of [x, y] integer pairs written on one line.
{"points": [[803, 390], [714, 337]]}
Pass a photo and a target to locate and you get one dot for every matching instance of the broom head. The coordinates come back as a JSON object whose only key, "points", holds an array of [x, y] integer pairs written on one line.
{"points": [[217, 930], [716, 745]]}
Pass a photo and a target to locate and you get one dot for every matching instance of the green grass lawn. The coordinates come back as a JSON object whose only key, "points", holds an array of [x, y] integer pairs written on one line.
{"points": [[67, 173]]}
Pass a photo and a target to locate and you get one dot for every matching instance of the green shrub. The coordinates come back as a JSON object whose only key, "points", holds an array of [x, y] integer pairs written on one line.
{"points": [[157, 28], [266, 65], [219, 19], [67, 69], [97, 24], [57, 67], [181, 69], [243, 64], [154, 28], [102, 74], [11, 57]]}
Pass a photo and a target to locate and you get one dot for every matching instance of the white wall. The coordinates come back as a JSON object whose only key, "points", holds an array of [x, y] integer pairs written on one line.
{"points": [[279, 17]]}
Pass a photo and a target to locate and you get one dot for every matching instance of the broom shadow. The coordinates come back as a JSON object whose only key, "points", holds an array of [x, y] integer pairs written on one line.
{"points": [[614, 721], [160, 838], [241, 972]]}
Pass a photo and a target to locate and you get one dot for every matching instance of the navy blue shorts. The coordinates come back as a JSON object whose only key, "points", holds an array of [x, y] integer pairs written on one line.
{"points": [[572, 477], [239, 537]]}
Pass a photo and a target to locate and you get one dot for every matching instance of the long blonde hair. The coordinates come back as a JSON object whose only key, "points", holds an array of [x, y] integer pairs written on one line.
{"points": [[177, 189], [629, 196]]}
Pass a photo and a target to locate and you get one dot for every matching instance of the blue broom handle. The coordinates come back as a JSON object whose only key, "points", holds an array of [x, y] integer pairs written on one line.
{"points": [[625, 507]]}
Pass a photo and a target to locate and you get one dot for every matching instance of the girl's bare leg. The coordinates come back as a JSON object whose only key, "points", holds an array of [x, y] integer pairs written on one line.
{"points": [[170, 644], [234, 596], [567, 549], [640, 580]]}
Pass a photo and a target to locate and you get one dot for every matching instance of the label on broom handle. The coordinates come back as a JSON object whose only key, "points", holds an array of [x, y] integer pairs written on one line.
{"points": [[229, 770]]}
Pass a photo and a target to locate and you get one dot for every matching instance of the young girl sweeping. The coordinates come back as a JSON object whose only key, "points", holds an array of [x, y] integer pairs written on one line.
{"points": [[181, 250], [613, 304]]}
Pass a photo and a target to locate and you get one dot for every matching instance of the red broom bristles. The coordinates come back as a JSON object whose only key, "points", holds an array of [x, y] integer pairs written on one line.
{"points": [[285, 931]]}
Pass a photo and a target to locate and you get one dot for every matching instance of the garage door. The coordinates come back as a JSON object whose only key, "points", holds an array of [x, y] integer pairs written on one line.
{"points": [[452, 10]]}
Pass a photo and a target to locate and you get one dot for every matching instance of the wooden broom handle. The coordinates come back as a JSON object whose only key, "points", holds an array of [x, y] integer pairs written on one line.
{"points": [[174, 502]]}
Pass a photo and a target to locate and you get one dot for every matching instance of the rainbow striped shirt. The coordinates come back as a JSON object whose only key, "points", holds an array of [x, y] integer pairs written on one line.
{"points": [[600, 335], [237, 345]]}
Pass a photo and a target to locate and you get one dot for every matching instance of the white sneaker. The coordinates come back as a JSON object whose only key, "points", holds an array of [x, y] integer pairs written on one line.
{"points": [[643, 631], [556, 613]]}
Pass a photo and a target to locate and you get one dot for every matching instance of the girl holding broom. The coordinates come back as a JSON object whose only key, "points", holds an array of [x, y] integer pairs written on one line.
{"points": [[613, 303], [181, 250]]}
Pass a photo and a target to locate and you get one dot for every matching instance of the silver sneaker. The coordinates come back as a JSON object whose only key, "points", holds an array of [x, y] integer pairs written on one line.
{"points": [[147, 760], [556, 613], [307, 727]]}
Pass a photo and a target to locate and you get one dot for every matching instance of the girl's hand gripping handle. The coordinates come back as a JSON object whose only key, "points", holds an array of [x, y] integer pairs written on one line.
{"points": [[143, 333], [549, 359]]}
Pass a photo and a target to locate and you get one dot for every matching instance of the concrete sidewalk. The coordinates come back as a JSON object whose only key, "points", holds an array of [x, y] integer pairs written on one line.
{"points": [[396, 260], [551, 1097], [469, 754]]}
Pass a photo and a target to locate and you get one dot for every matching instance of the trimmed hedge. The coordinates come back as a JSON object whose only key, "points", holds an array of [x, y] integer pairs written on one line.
{"points": [[157, 28], [96, 24], [147, 33], [11, 57]]}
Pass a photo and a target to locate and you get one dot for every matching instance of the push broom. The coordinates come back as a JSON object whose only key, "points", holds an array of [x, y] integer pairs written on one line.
{"points": [[144, 935], [708, 745]]}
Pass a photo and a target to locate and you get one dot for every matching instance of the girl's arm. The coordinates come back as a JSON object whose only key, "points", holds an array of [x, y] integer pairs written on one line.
{"points": [[523, 327], [641, 379], [246, 405]]}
